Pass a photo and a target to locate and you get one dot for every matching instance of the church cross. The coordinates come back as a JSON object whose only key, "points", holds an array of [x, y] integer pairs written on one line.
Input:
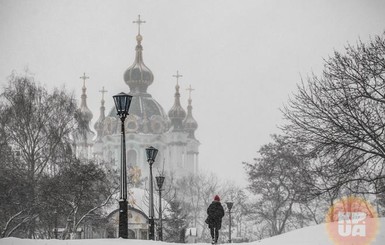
{"points": [[190, 89], [84, 77], [139, 22], [177, 77], [103, 91]]}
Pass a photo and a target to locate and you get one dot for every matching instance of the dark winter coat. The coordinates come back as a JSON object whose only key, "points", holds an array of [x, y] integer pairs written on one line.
{"points": [[215, 214]]}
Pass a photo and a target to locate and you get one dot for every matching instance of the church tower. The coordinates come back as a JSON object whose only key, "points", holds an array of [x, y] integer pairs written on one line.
{"points": [[177, 113], [83, 136], [99, 126], [190, 125], [177, 136]]}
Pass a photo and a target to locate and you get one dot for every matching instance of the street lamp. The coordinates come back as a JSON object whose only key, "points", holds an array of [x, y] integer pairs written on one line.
{"points": [[122, 104], [229, 207], [69, 224], [55, 230], [159, 183], [151, 155]]}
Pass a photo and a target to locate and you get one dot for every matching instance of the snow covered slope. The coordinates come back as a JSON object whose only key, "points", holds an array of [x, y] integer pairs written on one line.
{"points": [[313, 235]]}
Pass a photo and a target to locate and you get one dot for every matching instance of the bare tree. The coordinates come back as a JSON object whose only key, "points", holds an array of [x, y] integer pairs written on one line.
{"points": [[194, 192], [36, 125], [340, 115], [275, 177], [241, 206], [79, 190]]}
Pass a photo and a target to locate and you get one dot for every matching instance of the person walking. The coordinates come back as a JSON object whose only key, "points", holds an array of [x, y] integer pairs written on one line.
{"points": [[215, 214]]}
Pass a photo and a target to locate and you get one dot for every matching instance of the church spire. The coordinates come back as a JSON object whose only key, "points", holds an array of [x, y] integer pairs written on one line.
{"points": [[85, 112], [177, 113], [100, 122], [83, 116], [189, 123], [138, 76]]}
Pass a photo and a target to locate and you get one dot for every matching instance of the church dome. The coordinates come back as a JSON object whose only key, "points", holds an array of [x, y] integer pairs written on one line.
{"points": [[138, 76], [84, 114], [177, 113], [99, 125], [189, 123], [83, 117], [146, 115]]}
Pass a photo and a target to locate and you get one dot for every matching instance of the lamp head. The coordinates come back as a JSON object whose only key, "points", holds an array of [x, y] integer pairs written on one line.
{"points": [[159, 181], [151, 154], [229, 205], [122, 104]]}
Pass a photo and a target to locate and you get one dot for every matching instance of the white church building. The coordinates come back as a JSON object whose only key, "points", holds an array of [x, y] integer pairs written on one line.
{"points": [[172, 133]]}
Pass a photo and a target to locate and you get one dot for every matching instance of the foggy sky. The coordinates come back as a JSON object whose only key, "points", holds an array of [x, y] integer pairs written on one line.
{"points": [[243, 58]]}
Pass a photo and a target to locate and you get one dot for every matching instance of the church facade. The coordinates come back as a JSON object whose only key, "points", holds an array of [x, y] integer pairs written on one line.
{"points": [[172, 133]]}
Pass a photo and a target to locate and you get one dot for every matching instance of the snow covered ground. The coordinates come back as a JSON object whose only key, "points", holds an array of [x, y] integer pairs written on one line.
{"points": [[313, 235]]}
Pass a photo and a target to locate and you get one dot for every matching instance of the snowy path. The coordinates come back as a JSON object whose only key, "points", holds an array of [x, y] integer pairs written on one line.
{"points": [[313, 235]]}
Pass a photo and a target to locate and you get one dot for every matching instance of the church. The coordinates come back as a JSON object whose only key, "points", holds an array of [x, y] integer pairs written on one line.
{"points": [[172, 133]]}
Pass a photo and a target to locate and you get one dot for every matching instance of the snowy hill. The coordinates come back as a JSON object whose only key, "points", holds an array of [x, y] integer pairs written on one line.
{"points": [[313, 235]]}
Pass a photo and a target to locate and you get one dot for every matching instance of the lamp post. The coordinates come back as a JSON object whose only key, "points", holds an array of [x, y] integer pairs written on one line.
{"points": [[151, 155], [229, 207], [55, 230], [122, 104], [69, 224], [159, 183]]}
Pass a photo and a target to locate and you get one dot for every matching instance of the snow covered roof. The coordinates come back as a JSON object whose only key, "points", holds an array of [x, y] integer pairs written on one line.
{"points": [[139, 199]]}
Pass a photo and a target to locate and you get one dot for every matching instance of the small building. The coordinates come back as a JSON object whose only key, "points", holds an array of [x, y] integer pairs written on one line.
{"points": [[138, 209], [137, 224]]}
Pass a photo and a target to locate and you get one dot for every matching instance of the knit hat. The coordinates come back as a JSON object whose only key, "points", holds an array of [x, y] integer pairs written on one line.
{"points": [[216, 198]]}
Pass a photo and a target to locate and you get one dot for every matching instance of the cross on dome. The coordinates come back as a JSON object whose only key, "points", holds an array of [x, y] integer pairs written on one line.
{"points": [[84, 78], [177, 77], [103, 91], [138, 76], [139, 22], [190, 89]]}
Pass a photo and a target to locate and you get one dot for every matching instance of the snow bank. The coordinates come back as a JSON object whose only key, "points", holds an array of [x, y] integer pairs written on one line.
{"points": [[313, 235]]}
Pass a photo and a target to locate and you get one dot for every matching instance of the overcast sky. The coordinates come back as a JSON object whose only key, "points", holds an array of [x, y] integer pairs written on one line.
{"points": [[243, 58]]}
